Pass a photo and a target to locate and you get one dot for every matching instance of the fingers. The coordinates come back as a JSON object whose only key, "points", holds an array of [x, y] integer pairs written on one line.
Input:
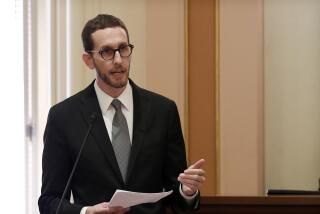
{"points": [[192, 178], [190, 183], [197, 165], [195, 171], [103, 208], [199, 172], [118, 210]]}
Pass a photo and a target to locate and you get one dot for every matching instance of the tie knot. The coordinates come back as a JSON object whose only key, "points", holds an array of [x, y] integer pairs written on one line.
{"points": [[116, 104]]}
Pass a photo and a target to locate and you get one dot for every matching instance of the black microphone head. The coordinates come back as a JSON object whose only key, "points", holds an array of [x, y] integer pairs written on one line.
{"points": [[93, 117]]}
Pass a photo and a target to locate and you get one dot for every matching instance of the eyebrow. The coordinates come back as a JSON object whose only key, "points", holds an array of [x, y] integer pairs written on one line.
{"points": [[109, 47]]}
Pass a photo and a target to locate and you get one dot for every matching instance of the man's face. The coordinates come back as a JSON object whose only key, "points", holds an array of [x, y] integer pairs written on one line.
{"points": [[112, 73]]}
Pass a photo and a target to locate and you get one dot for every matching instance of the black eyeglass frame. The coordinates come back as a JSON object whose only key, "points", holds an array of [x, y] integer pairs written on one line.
{"points": [[100, 52]]}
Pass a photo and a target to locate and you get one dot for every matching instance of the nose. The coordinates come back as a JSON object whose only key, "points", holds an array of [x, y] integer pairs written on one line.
{"points": [[117, 58]]}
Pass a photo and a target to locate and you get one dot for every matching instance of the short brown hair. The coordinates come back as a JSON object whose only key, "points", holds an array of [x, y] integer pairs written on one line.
{"points": [[99, 22]]}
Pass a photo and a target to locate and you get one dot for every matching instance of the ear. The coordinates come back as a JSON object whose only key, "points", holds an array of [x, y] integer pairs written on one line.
{"points": [[88, 60]]}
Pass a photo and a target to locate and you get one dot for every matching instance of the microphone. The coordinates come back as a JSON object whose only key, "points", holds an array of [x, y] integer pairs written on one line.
{"points": [[92, 119]]}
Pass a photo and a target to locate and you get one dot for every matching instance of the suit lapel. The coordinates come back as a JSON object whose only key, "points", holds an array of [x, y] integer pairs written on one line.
{"points": [[141, 110], [90, 105]]}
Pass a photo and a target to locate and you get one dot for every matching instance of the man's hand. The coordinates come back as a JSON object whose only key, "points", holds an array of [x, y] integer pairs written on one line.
{"points": [[192, 178], [104, 208]]}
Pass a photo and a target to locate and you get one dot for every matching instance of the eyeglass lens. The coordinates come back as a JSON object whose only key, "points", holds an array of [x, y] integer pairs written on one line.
{"points": [[109, 53]]}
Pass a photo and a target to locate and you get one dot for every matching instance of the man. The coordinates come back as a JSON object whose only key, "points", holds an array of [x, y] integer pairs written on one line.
{"points": [[144, 125]]}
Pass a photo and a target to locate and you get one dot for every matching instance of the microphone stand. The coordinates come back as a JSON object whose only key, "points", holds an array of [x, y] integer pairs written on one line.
{"points": [[92, 119]]}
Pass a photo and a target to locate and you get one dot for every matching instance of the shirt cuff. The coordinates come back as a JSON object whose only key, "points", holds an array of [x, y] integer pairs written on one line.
{"points": [[83, 210], [189, 198]]}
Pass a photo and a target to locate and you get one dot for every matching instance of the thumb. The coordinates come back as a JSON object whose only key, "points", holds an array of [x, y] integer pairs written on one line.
{"points": [[198, 164]]}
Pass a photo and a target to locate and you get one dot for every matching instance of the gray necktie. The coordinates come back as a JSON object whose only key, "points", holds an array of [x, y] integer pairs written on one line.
{"points": [[120, 138]]}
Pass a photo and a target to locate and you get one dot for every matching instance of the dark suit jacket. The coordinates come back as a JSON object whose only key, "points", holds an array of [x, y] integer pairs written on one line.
{"points": [[157, 155]]}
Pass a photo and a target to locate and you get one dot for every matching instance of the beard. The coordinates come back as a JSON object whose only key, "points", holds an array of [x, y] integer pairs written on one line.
{"points": [[110, 78]]}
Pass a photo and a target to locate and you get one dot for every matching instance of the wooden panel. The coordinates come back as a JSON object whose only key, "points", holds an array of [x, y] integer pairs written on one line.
{"points": [[261, 205], [201, 88]]}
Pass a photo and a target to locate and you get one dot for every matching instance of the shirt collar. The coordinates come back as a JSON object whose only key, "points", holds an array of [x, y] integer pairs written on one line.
{"points": [[105, 100]]}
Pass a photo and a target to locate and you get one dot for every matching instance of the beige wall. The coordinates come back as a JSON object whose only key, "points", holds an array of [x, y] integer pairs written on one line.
{"points": [[269, 94], [165, 50], [292, 92], [241, 97]]}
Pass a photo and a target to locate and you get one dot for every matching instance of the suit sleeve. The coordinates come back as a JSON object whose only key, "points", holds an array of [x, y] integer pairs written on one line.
{"points": [[56, 167], [176, 163]]}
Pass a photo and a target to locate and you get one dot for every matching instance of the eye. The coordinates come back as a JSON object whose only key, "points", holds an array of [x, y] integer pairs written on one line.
{"points": [[106, 51], [125, 50]]}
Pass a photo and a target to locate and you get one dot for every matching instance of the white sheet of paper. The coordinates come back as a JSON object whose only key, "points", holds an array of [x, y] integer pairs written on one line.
{"points": [[126, 199]]}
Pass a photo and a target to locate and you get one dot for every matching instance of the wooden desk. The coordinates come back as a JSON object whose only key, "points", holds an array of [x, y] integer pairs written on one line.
{"points": [[260, 205]]}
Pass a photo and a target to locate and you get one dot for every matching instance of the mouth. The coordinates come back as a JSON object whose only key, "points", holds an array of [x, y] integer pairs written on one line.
{"points": [[118, 74]]}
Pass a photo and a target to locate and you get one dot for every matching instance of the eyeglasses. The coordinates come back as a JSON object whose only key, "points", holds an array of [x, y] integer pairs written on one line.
{"points": [[108, 53]]}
